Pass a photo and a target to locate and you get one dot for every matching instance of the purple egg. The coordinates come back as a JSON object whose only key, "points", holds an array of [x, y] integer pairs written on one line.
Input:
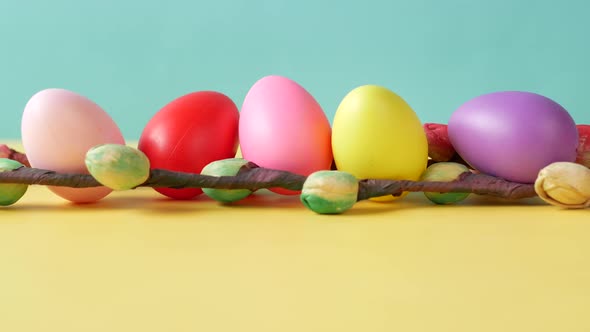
{"points": [[513, 134]]}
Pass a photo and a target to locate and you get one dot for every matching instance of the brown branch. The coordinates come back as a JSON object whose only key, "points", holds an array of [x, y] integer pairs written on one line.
{"points": [[250, 177], [253, 177], [466, 183], [36, 176]]}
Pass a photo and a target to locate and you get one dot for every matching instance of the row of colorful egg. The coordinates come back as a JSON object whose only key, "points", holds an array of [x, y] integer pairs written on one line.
{"points": [[374, 134]]}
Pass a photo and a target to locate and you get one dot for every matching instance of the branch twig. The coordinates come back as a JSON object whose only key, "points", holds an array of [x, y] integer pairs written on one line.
{"points": [[253, 177]]}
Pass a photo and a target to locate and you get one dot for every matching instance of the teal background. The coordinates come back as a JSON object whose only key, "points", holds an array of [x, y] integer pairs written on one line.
{"points": [[133, 57]]}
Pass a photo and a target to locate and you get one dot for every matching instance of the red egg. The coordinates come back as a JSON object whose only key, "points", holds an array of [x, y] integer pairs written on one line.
{"points": [[189, 133]]}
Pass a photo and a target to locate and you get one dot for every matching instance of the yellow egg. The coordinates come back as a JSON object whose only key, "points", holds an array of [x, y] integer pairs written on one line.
{"points": [[377, 135]]}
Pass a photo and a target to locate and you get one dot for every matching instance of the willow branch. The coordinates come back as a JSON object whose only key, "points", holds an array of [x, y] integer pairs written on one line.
{"points": [[250, 177], [466, 183], [253, 177]]}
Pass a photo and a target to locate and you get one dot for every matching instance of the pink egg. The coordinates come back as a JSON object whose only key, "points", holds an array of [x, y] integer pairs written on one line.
{"points": [[58, 128], [283, 127]]}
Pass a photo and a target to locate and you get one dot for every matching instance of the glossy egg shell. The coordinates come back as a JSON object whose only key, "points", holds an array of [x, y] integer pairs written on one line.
{"points": [[189, 133], [376, 134], [283, 127], [513, 134], [58, 128]]}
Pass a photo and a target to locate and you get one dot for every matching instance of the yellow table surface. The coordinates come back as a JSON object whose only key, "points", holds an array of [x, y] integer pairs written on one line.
{"points": [[137, 261]]}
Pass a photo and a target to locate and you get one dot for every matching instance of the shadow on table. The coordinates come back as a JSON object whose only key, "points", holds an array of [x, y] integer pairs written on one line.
{"points": [[264, 200]]}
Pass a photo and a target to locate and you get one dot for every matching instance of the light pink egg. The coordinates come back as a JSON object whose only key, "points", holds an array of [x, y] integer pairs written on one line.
{"points": [[283, 127], [58, 128]]}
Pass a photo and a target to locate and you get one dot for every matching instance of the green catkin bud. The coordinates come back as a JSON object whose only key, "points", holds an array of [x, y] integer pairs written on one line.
{"points": [[117, 166], [10, 193], [329, 192], [444, 172], [225, 167]]}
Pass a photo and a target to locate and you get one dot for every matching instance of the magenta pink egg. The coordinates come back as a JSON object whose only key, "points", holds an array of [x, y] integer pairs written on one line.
{"points": [[513, 134], [283, 127]]}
